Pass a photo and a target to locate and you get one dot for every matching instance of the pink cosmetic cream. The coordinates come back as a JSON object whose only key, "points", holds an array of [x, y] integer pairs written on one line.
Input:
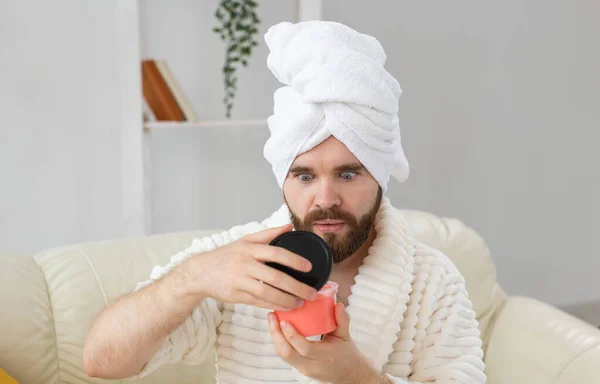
{"points": [[314, 317]]}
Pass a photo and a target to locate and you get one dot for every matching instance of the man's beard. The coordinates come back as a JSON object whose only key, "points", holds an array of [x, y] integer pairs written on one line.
{"points": [[342, 246]]}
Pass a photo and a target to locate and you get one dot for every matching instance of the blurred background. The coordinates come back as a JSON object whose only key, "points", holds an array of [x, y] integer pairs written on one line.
{"points": [[500, 120]]}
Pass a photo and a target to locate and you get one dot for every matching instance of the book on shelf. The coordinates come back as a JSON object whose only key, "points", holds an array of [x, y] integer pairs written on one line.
{"points": [[147, 113], [184, 103], [164, 100]]}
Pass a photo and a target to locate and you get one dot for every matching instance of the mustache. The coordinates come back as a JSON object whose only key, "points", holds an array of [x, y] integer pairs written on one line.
{"points": [[330, 214]]}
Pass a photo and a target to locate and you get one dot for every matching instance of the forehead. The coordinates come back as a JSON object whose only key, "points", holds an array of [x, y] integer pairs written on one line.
{"points": [[330, 153]]}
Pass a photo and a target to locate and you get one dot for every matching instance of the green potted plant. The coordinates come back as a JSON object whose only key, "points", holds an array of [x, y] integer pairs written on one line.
{"points": [[238, 27]]}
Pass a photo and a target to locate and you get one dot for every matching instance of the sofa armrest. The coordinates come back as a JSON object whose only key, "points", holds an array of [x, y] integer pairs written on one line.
{"points": [[535, 343]]}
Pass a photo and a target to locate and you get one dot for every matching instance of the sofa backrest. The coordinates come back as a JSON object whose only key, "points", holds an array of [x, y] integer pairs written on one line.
{"points": [[48, 301]]}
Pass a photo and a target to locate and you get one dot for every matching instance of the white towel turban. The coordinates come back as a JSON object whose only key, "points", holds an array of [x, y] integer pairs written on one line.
{"points": [[335, 84]]}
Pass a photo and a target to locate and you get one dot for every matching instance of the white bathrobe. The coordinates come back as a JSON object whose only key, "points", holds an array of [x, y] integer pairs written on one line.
{"points": [[409, 313]]}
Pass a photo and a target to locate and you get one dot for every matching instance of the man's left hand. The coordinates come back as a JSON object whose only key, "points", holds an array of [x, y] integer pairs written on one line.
{"points": [[335, 359]]}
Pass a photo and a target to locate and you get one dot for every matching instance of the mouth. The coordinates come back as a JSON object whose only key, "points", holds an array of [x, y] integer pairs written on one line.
{"points": [[329, 226]]}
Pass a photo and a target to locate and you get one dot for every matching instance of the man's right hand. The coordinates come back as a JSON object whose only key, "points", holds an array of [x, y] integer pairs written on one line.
{"points": [[236, 273]]}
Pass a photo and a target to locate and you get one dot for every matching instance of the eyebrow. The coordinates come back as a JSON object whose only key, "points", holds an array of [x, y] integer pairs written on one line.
{"points": [[348, 167], [301, 169]]}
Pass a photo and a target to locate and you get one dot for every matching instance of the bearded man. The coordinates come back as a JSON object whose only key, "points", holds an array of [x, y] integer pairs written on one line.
{"points": [[403, 313]]}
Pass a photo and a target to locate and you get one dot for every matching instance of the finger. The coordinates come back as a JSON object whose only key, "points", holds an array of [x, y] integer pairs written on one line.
{"points": [[343, 323], [267, 235], [281, 256], [281, 281], [247, 298], [270, 294], [305, 348], [282, 347]]}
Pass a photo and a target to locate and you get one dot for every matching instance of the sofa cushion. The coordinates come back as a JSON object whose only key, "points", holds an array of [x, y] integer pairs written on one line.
{"points": [[27, 338], [83, 278], [469, 252]]}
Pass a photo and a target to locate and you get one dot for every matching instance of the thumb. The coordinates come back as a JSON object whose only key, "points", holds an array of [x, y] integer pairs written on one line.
{"points": [[268, 235], [343, 322]]}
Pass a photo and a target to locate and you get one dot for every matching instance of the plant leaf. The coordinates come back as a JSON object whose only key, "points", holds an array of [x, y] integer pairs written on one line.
{"points": [[238, 25]]}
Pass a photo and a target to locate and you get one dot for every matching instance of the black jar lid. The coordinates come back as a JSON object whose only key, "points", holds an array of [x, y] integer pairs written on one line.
{"points": [[312, 248]]}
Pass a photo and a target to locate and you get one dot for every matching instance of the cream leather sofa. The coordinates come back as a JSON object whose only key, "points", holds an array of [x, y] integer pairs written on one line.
{"points": [[48, 300]]}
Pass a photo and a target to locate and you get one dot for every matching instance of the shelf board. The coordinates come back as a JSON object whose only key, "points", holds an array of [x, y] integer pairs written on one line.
{"points": [[148, 126]]}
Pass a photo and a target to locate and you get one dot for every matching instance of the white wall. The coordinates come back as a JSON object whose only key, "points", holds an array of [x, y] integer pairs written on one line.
{"points": [[501, 123], [499, 118], [61, 130]]}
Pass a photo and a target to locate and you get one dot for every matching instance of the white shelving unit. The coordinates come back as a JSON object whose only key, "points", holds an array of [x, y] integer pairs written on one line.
{"points": [[151, 126], [136, 153]]}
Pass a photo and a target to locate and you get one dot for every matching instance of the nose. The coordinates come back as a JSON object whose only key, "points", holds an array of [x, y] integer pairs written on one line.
{"points": [[327, 196]]}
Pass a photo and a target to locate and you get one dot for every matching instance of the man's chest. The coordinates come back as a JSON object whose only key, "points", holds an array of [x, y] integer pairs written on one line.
{"points": [[344, 292], [345, 283]]}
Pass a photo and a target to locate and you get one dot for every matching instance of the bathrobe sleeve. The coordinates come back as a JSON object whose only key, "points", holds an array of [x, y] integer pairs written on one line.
{"points": [[446, 347], [193, 340]]}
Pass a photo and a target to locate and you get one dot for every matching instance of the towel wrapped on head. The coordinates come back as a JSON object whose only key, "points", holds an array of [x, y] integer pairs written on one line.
{"points": [[335, 84]]}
